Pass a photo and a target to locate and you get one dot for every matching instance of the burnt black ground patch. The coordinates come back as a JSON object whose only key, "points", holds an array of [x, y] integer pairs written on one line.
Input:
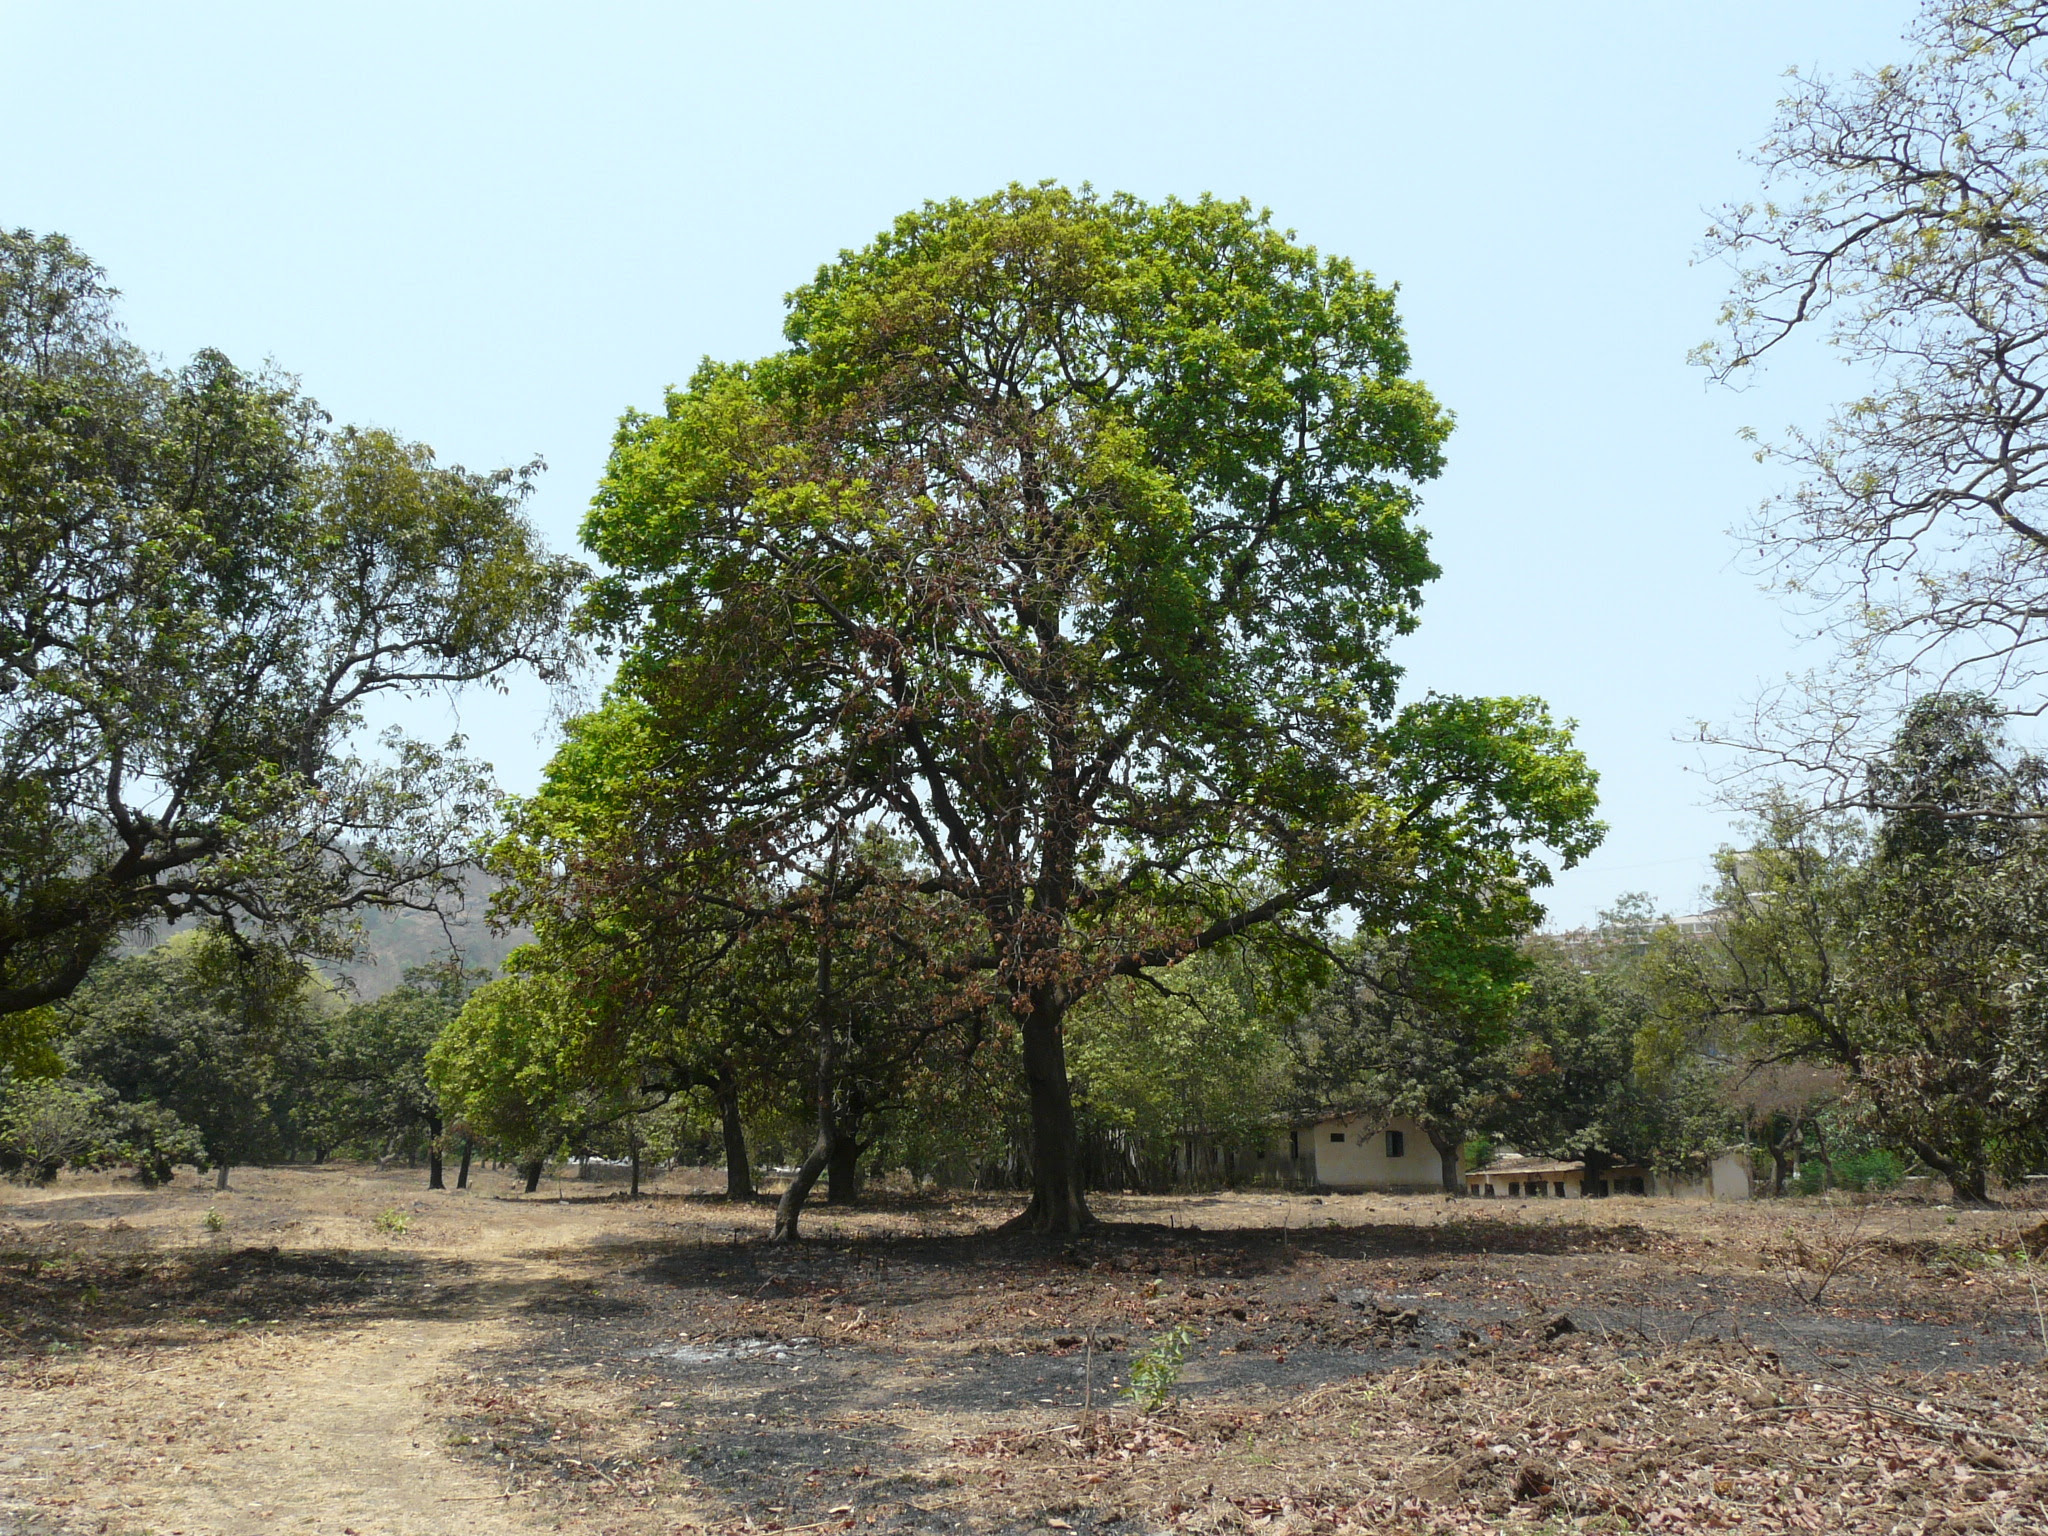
{"points": [[820, 1382]]}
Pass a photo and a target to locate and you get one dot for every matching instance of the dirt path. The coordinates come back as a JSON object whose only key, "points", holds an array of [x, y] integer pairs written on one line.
{"points": [[333, 1439], [317, 1414]]}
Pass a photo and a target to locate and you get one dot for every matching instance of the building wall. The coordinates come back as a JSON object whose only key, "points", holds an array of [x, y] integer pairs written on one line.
{"points": [[1360, 1160], [1725, 1178], [1730, 1173], [1505, 1185]]}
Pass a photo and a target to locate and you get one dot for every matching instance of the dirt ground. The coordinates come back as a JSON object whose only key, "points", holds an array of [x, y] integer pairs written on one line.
{"points": [[338, 1351]]}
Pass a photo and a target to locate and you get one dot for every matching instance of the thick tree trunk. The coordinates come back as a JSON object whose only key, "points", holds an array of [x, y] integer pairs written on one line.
{"points": [[220, 1175], [462, 1169], [532, 1172], [842, 1164], [739, 1176], [1968, 1185], [434, 1180], [1447, 1146], [1057, 1202], [842, 1172]]}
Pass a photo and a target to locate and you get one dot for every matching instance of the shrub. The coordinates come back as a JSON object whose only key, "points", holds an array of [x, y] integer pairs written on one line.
{"points": [[50, 1123], [1155, 1372], [1863, 1171], [1869, 1170], [154, 1141]]}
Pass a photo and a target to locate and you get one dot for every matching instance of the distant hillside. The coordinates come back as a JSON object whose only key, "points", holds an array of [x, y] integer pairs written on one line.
{"points": [[394, 940]]}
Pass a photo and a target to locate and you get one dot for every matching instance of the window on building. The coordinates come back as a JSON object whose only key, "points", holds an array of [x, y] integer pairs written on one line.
{"points": [[1560, 1189], [1336, 1135], [1514, 1189], [1397, 1143]]}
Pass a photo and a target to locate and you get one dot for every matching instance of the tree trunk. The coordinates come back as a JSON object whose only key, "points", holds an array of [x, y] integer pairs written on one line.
{"points": [[532, 1171], [826, 1089], [1447, 1145], [842, 1172], [1781, 1149], [1820, 1142], [220, 1175], [791, 1205], [633, 1152], [462, 1169], [842, 1164], [739, 1176], [434, 1180], [1968, 1185], [1057, 1202]]}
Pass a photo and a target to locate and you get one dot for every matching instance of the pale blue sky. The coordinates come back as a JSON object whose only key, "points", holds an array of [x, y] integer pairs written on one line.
{"points": [[493, 227]]}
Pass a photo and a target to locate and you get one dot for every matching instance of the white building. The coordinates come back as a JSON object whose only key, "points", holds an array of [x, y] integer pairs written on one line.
{"points": [[1349, 1151], [1514, 1176]]}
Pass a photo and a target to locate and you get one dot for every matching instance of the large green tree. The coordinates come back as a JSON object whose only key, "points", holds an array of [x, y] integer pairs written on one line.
{"points": [[1180, 1076], [1067, 538], [737, 976], [222, 1035], [203, 589]]}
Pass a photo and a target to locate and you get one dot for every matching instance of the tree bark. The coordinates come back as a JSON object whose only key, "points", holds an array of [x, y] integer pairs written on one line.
{"points": [[633, 1152], [842, 1172], [739, 1176], [220, 1175], [842, 1164], [1057, 1205], [1447, 1147], [532, 1171], [434, 1179], [791, 1205], [1968, 1185], [462, 1169]]}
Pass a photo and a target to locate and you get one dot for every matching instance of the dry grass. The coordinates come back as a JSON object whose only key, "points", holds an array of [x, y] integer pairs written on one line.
{"points": [[578, 1363]]}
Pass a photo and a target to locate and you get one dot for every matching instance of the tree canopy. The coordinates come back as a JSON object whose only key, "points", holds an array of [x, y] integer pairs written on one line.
{"points": [[202, 589]]}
